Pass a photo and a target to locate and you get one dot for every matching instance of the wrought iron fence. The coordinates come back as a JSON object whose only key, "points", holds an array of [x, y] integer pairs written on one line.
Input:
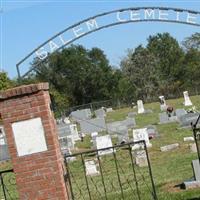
{"points": [[196, 133], [8, 189], [117, 174]]}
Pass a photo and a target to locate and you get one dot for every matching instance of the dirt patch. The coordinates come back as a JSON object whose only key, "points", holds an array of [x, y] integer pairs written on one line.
{"points": [[172, 187]]}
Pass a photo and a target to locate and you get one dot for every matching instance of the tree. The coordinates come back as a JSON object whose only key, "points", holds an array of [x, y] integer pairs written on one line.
{"points": [[5, 82], [78, 75], [170, 56], [192, 42], [192, 73], [139, 68]]}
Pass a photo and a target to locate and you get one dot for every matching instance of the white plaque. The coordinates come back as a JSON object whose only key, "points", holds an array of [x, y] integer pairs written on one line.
{"points": [[29, 136]]}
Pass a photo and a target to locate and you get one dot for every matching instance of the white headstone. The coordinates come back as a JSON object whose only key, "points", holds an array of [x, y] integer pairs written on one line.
{"points": [[169, 147], [74, 132], [141, 158], [163, 105], [141, 134], [109, 109], [188, 139], [29, 136], [66, 120], [104, 142], [91, 168], [140, 107], [187, 101]]}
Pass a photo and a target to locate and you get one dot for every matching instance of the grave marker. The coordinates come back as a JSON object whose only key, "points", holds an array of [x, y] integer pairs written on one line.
{"points": [[140, 107], [187, 101], [180, 112], [169, 147], [141, 158], [187, 119], [91, 168], [163, 105], [138, 135], [104, 142], [93, 125], [196, 169], [100, 113]]}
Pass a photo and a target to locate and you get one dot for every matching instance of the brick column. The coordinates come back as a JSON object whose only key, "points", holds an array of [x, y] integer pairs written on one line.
{"points": [[39, 170]]}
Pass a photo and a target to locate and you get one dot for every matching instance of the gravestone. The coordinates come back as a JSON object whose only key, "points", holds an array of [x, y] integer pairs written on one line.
{"points": [[113, 126], [109, 109], [141, 158], [193, 148], [91, 168], [187, 119], [163, 105], [122, 134], [66, 142], [188, 139], [65, 130], [138, 135], [80, 115], [140, 107], [169, 147], [187, 101], [66, 120], [104, 142], [180, 112], [93, 136], [93, 125], [163, 118], [129, 122], [196, 169], [152, 131], [100, 113]]}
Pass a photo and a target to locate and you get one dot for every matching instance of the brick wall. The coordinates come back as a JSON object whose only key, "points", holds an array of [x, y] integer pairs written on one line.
{"points": [[39, 175]]}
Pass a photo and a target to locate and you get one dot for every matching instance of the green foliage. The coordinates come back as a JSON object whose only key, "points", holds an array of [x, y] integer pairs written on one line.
{"points": [[192, 42], [79, 76], [5, 82], [169, 54], [139, 68]]}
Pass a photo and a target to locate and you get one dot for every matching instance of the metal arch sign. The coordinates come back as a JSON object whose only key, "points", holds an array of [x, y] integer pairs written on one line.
{"points": [[105, 20]]}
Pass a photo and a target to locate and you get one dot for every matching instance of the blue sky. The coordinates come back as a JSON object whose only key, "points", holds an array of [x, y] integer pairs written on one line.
{"points": [[26, 24]]}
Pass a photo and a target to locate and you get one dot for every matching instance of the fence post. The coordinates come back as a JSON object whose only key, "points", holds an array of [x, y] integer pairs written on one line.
{"points": [[33, 142], [150, 172]]}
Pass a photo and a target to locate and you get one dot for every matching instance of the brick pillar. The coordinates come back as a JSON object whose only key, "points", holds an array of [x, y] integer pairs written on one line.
{"points": [[33, 142]]}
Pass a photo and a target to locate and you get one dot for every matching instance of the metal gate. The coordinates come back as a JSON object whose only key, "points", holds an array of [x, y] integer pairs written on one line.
{"points": [[196, 133], [115, 174], [8, 189]]}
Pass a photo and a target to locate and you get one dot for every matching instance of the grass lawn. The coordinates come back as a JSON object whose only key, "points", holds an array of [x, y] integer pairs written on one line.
{"points": [[169, 168]]}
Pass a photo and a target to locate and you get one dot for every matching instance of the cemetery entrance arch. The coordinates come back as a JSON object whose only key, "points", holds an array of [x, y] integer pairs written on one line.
{"points": [[106, 20]]}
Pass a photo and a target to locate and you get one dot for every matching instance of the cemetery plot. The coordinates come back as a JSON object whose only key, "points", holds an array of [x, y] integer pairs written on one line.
{"points": [[79, 115], [93, 125], [119, 176]]}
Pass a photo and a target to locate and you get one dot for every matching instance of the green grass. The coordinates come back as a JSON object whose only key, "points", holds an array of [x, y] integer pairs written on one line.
{"points": [[169, 168]]}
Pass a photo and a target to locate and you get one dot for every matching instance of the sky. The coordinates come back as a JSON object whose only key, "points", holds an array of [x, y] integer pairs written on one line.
{"points": [[27, 24]]}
